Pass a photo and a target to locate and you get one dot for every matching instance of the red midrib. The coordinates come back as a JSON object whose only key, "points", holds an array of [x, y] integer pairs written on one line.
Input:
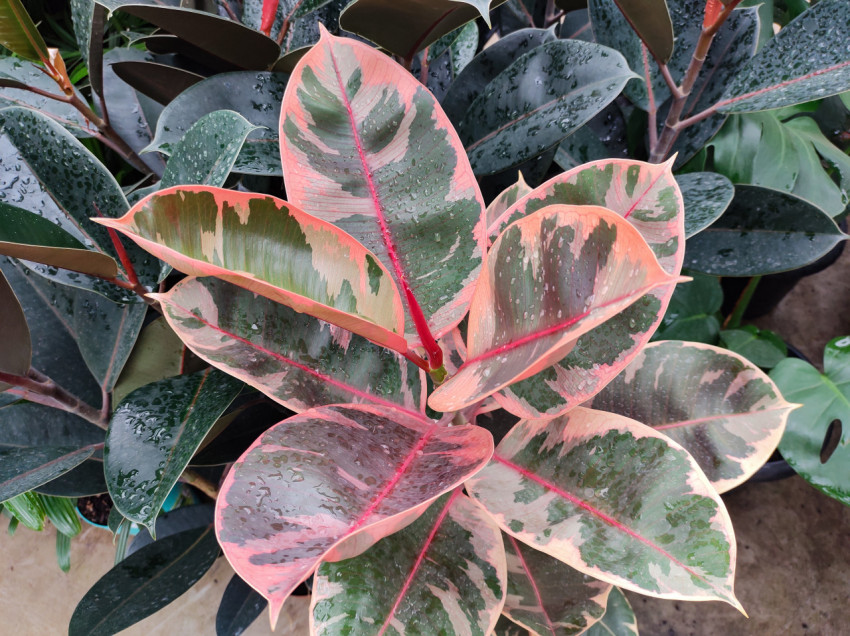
{"points": [[435, 354], [641, 197], [603, 517], [420, 557], [774, 87], [534, 587]]}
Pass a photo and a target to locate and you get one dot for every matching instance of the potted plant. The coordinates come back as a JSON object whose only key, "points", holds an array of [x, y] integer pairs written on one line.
{"points": [[358, 340]]}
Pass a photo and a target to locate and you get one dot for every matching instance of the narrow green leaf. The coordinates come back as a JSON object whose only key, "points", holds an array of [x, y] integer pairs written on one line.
{"points": [[16, 352], [26, 507], [89, 20], [153, 435], [144, 582], [706, 196], [63, 551], [62, 512], [18, 33]]}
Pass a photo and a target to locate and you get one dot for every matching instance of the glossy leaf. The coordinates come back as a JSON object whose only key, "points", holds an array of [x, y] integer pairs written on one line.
{"points": [[446, 58], [255, 96], [651, 21], [706, 196], [443, 574], [614, 499], [823, 420], [239, 608], [506, 627], [285, 13], [725, 411], [16, 353], [365, 146], [207, 152], [797, 64], [44, 162], [604, 136], [18, 33], [159, 82], [302, 28], [538, 100], [576, 266], [23, 469], [293, 358], [153, 434], [30, 237], [792, 156], [267, 245], [62, 513], [693, 312], [549, 597], [14, 70], [501, 204], [762, 232], [487, 65], [354, 475], [404, 28], [226, 39], [63, 552], [89, 19], [762, 347], [618, 620], [144, 582], [26, 508], [174, 522]]}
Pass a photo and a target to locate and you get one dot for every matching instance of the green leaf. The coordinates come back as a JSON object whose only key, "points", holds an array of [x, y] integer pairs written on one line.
{"points": [[500, 205], [693, 311], [63, 552], [18, 33], [719, 406], [255, 96], [762, 232], [144, 582], [614, 499], [799, 63], [405, 28], [159, 82], [23, 469], [239, 608], [447, 57], [548, 596], [506, 627], [651, 21], [443, 574], [618, 620], [706, 195], [16, 353], [89, 20], [267, 245], [26, 508], [62, 512], [762, 347], [538, 100], [31, 237], [153, 435], [812, 429], [302, 19], [207, 152], [293, 358], [354, 474], [792, 156]]}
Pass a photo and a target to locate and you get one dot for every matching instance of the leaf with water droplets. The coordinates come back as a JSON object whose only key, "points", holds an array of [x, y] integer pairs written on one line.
{"points": [[706, 196], [618, 620]]}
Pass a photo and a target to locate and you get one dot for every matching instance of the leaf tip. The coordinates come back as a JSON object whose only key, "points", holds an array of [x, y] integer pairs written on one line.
{"points": [[275, 605]]}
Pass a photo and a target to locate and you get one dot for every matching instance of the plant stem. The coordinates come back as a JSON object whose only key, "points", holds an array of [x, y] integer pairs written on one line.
{"points": [[201, 483], [733, 320], [39, 384]]}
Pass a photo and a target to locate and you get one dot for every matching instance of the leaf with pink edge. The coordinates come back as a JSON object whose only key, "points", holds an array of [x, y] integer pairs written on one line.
{"points": [[723, 409], [365, 146], [293, 358], [549, 597], [549, 278], [442, 574], [328, 483], [501, 204], [646, 195], [272, 248], [614, 499]]}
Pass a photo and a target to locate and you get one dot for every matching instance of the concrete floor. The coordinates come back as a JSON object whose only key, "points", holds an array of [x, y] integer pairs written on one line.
{"points": [[793, 572]]}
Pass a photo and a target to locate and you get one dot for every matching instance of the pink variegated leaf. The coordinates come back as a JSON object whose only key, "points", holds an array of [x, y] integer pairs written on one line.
{"points": [[614, 499], [365, 146], [328, 483], [648, 197], [549, 597], [272, 248], [507, 199], [549, 278], [293, 358], [722, 408], [443, 574]]}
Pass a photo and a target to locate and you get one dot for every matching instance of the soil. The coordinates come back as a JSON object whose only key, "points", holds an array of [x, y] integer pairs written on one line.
{"points": [[95, 508]]}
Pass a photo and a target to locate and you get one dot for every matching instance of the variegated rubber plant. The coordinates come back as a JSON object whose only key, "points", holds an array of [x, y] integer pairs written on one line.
{"points": [[467, 429]]}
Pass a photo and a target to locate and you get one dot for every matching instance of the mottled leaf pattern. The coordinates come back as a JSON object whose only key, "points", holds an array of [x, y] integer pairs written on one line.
{"points": [[648, 197], [293, 358], [366, 147], [328, 483], [549, 278], [501, 204], [614, 499], [548, 596], [443, 574], [272, 248], [725, 411]]}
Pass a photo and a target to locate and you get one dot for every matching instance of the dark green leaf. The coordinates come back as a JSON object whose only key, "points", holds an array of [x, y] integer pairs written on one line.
{"points": [[651, 21], [173, 522], [762, 347], [153, 435], [209, 149], [160, 82], [240, 433], [240, 606], [447, 57], [618, 620], [145, 582], [603, 137], [16, 352], [255, 96], [18, 33], [289, 14], [692, 312], [23, 469], [89, 20], [706, 195], [763, 232], [539, 100]]}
